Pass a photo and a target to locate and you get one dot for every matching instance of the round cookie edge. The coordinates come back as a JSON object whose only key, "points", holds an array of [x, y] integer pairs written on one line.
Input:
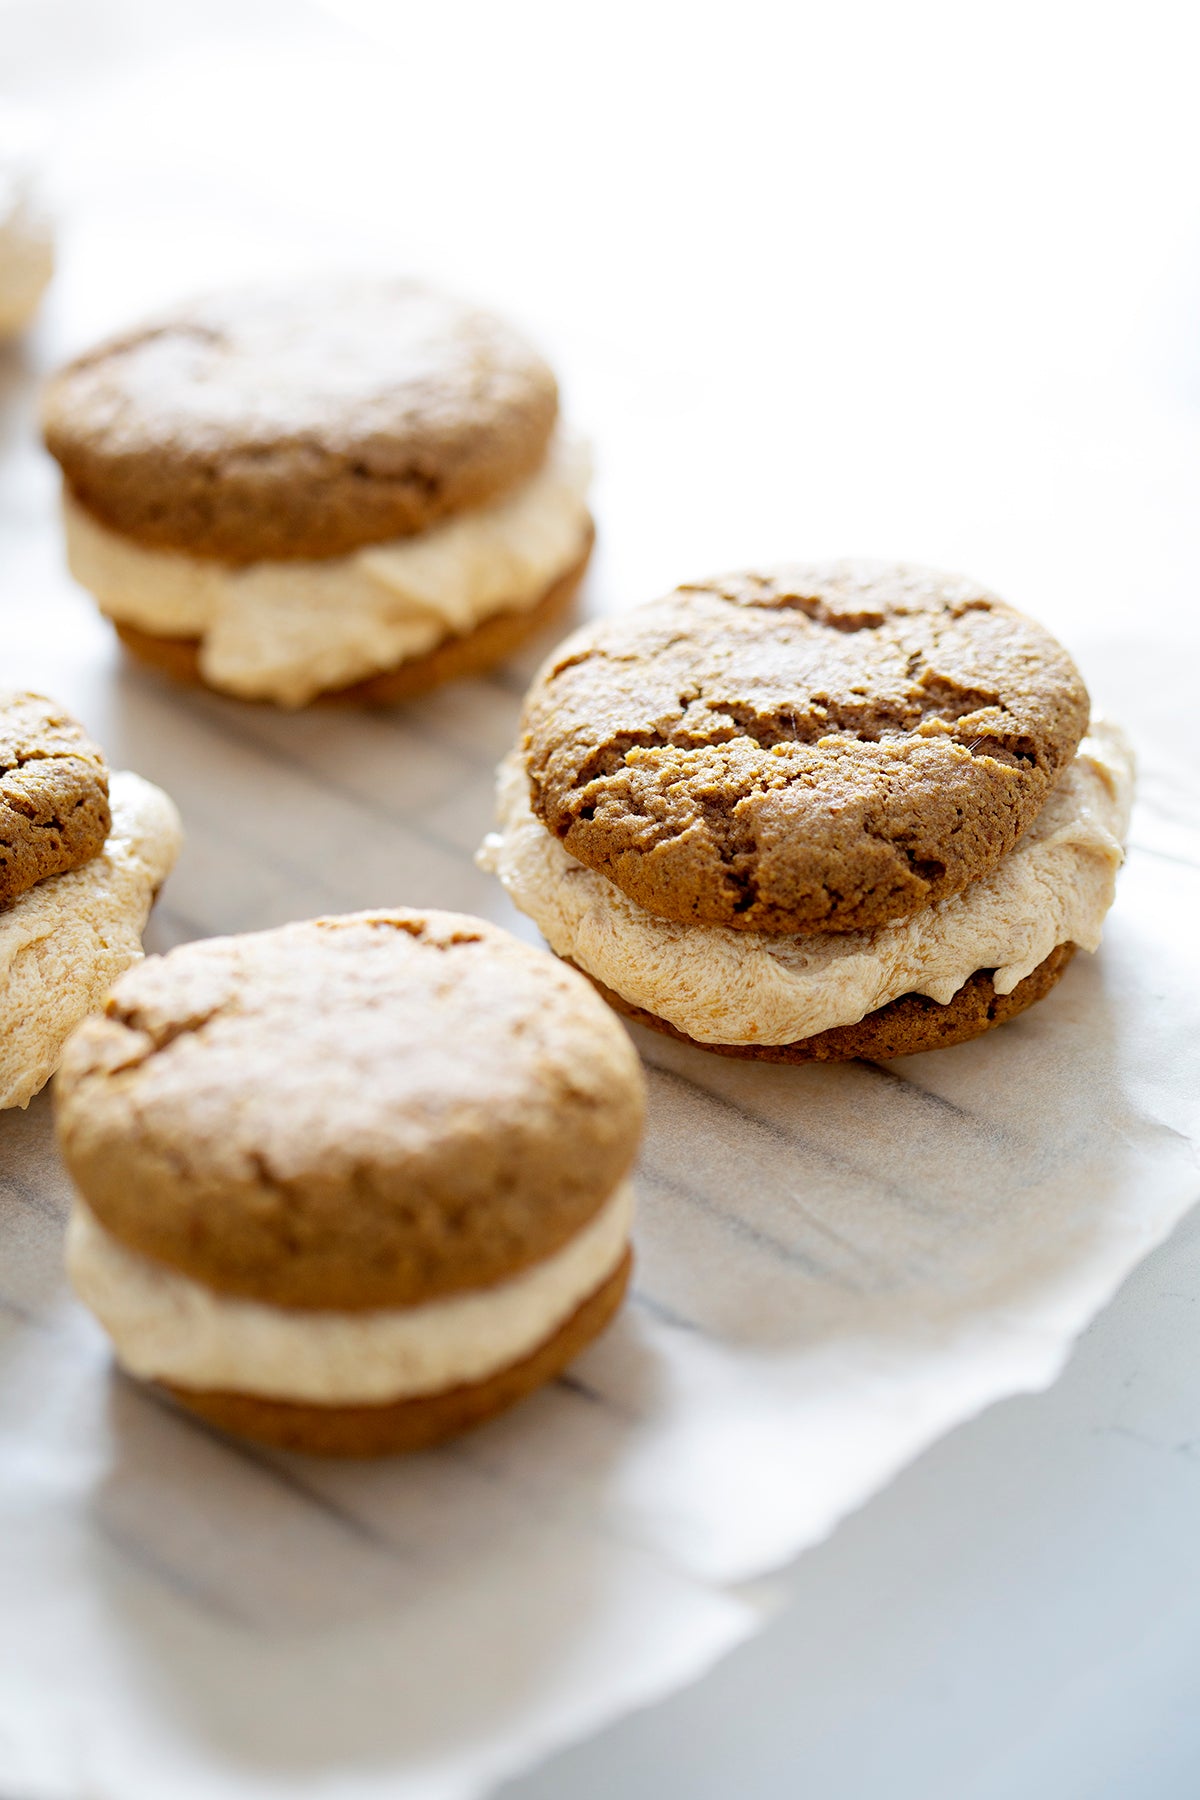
{"points": [[414, 1424], [651, 869], [113, 1159], [906, 1026], [456, 658], [323, 498]]}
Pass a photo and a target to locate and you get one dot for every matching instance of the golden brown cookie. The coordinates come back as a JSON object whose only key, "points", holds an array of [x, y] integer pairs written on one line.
{"points": [[353, 1184], [299, 421], [454, 660], [817, 748], [365, 1111], [54, 811], [904, 1027], [64, 942]]}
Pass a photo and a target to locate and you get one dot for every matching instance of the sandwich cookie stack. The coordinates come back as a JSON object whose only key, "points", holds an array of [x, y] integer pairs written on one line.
{"points": [[349, 489], [82, 856], [354, 1184], [812, 813]]}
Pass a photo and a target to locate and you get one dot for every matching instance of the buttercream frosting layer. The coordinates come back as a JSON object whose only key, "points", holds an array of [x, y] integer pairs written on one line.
{"points": [[287, 631], [65, 941], [722, 986], [167, 1327]]}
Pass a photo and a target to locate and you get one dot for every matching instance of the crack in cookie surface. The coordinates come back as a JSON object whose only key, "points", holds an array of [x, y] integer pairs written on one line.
{"points": [[54, 807], [816, 748], [352, 1112]]}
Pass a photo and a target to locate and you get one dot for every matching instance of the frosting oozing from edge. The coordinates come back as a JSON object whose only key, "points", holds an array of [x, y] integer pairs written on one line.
{"points": [[287, 631], [167, 1327], [722, 986], [65, 941]]}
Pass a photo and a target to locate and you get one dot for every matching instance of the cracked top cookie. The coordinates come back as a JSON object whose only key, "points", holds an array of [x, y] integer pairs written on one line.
{"points": [[54, 812], [813, 748], [299, 421], [367, 1111]]}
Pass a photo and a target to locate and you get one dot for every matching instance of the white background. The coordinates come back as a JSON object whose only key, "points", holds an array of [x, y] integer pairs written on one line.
{"points": [[918, 281]]}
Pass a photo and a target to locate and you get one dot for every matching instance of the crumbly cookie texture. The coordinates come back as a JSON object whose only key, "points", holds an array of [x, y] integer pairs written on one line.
{"points": [[719, 986], [815, 748], [54, 809], [63, 943], [365, 1111], [299, 421]]}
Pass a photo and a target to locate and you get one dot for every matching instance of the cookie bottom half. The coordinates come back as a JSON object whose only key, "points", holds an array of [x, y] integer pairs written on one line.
{"points": [[902, 1028], [417, 1423], [455, 659]]}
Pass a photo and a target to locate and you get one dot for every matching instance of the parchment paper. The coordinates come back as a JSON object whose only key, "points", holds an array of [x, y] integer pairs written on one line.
{"points": [[835, 1264]]}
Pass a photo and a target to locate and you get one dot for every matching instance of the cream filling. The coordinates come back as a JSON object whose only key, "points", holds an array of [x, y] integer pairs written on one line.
{"points": [[167, 1327], [747, 987], [65, 941], [287, 631]]}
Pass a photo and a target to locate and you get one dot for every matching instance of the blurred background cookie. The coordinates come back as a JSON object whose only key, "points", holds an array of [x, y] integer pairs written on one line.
{"points": [[26, 233], [354, 1184], [357, 488], [82, 856], [825, 812]]}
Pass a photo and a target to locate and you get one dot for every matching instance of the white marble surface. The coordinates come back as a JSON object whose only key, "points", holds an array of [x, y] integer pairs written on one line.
{"points": [[809, 294]]}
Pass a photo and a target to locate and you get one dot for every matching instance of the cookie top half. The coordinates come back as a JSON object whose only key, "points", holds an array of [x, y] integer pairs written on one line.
{"points": [[817, 748], [299, 421], [54, 812], [363, 1111]]}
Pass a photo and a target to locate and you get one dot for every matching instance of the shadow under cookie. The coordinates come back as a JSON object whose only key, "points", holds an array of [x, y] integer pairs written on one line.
{"points": [[904, 1027], [417, 1423], [455, 659]]}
